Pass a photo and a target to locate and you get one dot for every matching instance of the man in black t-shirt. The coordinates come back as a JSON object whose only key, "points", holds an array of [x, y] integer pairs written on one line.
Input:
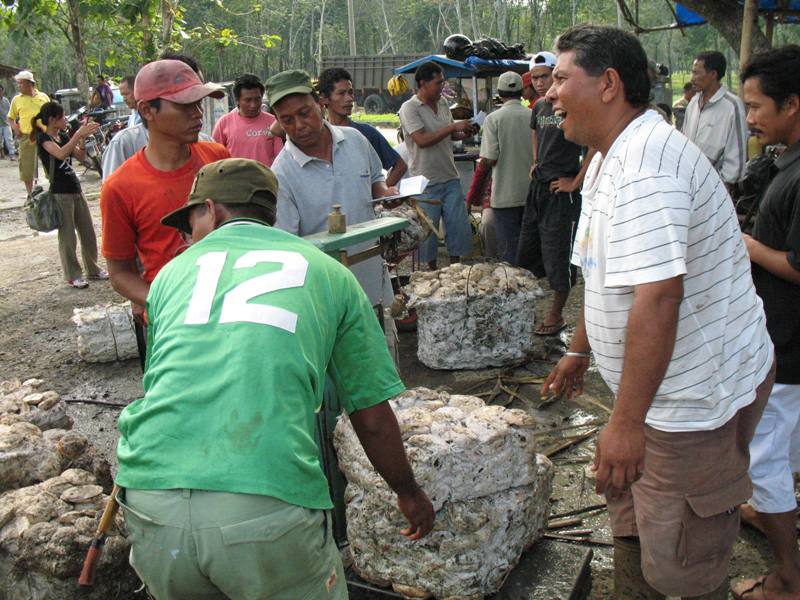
{"points": [[554, 202], [772, 94]]}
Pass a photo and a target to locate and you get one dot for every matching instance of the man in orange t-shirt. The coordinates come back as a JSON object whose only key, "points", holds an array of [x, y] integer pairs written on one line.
{"points": [[157, 179]]}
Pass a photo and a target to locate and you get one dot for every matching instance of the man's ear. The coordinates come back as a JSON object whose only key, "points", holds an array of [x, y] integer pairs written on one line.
{"points": [[792, 105], [611, 85], [145, 110]]}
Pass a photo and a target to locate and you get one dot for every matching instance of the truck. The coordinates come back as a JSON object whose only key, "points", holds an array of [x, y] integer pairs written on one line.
{"points": [[370, 75]]}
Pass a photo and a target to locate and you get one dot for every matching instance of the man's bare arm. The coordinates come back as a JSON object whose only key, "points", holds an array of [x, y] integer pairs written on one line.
{"points": [[127, 281], [423, 139], [649, 342], [774, 261], [396, 173], [379, 434]]}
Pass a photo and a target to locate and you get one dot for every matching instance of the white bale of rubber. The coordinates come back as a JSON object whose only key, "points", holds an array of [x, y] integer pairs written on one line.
{"points": [[473, 316], [105, 332], [489, 488]]}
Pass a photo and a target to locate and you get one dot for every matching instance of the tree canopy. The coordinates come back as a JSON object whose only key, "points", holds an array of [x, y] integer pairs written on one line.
{"points": [[66, 42]]}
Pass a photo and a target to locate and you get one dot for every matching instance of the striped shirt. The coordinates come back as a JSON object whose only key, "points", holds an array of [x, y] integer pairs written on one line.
{"points": [[720, 131], [653, 209]]}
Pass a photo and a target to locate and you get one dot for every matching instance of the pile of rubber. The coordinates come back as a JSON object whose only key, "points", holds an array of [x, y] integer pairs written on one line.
{"points": [[489, 487], [414, 234], [52, 492], [473, 316]]}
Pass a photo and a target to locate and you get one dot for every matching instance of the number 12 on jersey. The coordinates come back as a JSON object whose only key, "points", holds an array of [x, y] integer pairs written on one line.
{"points": [[236, 306]]}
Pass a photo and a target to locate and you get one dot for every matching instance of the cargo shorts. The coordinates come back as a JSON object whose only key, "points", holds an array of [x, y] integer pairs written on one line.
{"points": [[199, 545], [684, 509]]}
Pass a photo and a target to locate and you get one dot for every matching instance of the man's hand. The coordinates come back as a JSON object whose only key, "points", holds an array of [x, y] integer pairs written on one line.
{"points": [[417, 508], [564, 184], [532, 172], [567, 375], [619, 458], [465, 126], [751, 244], [138, 313]]}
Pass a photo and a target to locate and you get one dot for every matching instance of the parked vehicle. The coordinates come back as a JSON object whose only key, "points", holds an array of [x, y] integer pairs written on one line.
{"points": [[371, 75], [71, 99], [96, 143]]}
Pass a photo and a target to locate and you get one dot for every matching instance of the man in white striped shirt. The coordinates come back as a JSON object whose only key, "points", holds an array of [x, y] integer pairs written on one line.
{"points": [[715, 118], [673, 320]]}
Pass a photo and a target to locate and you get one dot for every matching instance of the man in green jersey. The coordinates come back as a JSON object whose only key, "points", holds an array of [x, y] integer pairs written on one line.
{"points": [[224, 493]]}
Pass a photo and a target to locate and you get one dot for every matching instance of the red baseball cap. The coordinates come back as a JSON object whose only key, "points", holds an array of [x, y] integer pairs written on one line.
{"points": [[172, 80], [526, 79]]}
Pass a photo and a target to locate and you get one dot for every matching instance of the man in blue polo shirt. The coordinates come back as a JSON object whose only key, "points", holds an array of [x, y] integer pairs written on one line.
{"points": [[337, 95]]}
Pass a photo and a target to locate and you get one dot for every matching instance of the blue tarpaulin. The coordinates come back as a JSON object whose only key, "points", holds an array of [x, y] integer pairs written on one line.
{"points": [[687, 17], [473, 66]]}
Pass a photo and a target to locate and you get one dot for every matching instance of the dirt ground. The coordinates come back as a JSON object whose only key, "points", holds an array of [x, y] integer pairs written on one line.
{"points": [[38, 340]]}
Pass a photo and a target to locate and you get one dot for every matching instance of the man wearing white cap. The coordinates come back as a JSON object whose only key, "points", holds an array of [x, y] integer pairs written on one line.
{"points": [[24, 107], [554, 201]]}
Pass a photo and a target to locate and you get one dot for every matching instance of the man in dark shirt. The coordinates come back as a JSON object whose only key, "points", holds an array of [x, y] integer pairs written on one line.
{"points": [[772, 95], [337, 95], [554, 204], [104, 92]]}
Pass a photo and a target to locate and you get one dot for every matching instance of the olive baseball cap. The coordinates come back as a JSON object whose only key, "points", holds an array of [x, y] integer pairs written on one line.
{"points": [[228, 181], [294, 81]]}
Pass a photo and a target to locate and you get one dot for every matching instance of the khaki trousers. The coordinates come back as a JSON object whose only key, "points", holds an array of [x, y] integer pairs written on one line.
{"points": [[75, 216]]}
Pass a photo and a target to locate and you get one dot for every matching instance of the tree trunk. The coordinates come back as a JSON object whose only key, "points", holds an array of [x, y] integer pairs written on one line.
{"points": [[76, 41], [726, 17], [168, 9]]}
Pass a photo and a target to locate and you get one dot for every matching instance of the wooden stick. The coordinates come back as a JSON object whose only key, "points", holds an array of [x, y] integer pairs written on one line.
{"points": [[596, 403], [569, 443], [567, 522], [567, 427], [577, 540], [577, 532], [99, 402], [579, 511]]}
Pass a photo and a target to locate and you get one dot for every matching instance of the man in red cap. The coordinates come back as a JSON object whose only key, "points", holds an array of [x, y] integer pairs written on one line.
{"points": [[158, 178], [529, 94]]}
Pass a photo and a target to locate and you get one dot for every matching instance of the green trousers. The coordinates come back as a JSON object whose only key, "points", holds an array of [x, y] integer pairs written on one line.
{"points": [[197, 545], [75, 217]]}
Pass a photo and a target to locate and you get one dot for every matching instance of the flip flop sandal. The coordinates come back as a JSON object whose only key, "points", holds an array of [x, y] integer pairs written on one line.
{"points": [[750, 589], [548, 330]]}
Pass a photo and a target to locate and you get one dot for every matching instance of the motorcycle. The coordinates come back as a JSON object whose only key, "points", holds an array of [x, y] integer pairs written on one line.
{"points": [[96, 143]]}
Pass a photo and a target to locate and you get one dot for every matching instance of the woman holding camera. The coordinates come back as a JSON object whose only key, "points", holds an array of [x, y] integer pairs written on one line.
{"points": [[55, 150]]}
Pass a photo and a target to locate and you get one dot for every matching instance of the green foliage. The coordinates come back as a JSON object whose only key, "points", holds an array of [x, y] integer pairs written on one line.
{"points": [[229, 37], [383, 120]]}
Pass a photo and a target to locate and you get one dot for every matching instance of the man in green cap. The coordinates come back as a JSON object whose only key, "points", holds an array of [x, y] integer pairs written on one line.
{"points": [[224, 494], [322, 165]]}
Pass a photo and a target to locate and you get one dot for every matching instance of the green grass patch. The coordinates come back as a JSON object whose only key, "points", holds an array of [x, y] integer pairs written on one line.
{"points": [[384, 120]]}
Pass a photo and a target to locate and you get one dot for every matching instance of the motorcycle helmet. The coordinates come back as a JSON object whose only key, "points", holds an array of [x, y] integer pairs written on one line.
{"points": [[455, 46]]}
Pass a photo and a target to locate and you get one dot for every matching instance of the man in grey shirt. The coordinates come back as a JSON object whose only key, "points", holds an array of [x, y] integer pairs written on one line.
{"points": [[6, 137], [428, 128], [322, 165]]}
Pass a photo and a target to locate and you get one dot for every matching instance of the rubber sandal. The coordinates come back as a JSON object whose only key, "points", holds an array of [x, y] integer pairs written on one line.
{"points": [[750, 589], [548, 330]]}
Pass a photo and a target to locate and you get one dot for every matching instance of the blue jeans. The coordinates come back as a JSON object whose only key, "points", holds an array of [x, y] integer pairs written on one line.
{"points": [[7, 138], [458, 234]]}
